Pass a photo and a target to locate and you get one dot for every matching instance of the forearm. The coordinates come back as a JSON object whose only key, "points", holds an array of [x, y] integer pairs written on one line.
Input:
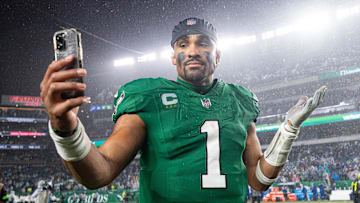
{"points": [[266, 168], [93, 171], [276, 155], [268, 171], [103, 164], [95, 167], [253, 158], [81, 157]]}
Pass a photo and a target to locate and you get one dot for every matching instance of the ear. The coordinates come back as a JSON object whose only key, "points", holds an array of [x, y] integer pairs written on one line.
{"points": [[173, 58], [218, 54]]}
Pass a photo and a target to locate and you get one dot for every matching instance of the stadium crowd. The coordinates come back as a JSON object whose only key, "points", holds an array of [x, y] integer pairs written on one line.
{"points": [[339, 161], [14, 112], [23, 178]]}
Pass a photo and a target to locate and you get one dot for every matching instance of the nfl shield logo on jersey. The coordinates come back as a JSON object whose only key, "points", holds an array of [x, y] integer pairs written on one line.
{"points": [[206, 102]]}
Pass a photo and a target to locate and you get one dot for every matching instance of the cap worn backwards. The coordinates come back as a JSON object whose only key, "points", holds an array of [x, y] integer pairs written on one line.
{"points": [[193, 26]]}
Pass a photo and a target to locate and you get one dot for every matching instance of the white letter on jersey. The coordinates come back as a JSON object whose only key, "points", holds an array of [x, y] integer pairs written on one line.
{"points": [[213, 177], [169, 98]]}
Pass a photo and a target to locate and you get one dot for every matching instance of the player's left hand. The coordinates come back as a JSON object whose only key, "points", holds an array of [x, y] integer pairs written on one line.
{"points": [[304, 107]]}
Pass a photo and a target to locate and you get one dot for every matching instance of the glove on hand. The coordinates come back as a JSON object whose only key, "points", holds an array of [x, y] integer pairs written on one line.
{"points": [[277, 152], [303, 108]]}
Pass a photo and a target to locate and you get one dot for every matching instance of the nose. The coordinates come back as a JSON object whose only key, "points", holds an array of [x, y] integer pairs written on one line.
{"points": [[193, 51]]}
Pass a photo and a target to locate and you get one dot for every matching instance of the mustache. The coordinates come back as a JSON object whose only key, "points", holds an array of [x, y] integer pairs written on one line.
{"points": [[192, 60]]}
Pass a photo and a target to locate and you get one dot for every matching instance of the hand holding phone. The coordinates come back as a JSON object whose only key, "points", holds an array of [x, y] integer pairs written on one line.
{"points": [[68, 43], [62, 86]]}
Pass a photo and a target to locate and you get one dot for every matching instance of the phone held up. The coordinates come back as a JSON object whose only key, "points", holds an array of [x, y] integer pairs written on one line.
{"points": [[68, 43]]}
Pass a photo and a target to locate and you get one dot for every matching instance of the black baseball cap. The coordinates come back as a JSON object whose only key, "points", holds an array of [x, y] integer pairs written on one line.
{"points": [[193, 26]]}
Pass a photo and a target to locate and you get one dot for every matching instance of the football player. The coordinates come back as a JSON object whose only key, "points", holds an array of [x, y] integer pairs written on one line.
{"points": [[196, 135]]}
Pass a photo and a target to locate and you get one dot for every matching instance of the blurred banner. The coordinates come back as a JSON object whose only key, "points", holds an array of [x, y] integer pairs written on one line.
{"points": [[23, 120], [98, 196], [102, 107], [339, 73], [21, 133], [18, 101], [314, 121], [17, 147]]}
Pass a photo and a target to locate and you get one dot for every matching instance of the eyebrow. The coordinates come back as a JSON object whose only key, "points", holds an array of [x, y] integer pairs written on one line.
{"points": [[184, 38], [204, 37], [200, 38]]}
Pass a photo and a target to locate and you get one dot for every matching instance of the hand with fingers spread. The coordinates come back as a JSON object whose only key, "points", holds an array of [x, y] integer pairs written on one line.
{"points": [[62, 113], [304, 107], [277, 152]]}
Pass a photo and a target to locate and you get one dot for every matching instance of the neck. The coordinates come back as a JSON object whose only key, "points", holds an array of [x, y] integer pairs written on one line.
{"points": [[201, 89], [204, 82]]}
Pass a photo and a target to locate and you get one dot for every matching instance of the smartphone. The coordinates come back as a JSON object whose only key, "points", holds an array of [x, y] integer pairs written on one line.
{"points": [[68, 43]]}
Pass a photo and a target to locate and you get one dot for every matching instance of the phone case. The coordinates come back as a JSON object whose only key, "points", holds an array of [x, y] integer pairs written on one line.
{"points": [[68, 43]]}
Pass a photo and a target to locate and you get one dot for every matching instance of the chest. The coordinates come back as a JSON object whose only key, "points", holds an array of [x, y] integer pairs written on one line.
{"points": [[184, 121]]}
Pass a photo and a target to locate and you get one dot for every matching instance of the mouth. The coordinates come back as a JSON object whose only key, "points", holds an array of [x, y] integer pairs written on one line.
{"points": [[193, 64]]}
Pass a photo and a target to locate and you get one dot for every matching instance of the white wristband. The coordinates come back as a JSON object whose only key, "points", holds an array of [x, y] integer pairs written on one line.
{"points": [[74, 147], [261, 177], [277, 152]]}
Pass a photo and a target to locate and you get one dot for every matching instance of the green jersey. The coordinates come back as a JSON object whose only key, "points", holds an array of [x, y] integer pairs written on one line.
{"points": [[195, 142]]}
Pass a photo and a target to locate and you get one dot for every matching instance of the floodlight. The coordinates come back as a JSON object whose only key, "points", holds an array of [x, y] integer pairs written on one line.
{"points": [[124, 62], [246, 39], [313, 21], [166, 53], [224, 43], [346, 12], [268, 35], [284, 30], [147, 57]]}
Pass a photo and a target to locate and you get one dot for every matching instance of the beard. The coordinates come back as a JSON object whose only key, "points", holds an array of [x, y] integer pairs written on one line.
{"points": [[200, 74], [196, 76]]}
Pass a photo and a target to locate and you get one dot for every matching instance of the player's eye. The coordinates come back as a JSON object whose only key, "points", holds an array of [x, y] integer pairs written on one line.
{"points": [[182, 45], [204, 44]]}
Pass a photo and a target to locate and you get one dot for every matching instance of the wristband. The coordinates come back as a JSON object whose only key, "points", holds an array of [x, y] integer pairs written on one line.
{"points": [[261, 177], [74, 147], [66, 134]]}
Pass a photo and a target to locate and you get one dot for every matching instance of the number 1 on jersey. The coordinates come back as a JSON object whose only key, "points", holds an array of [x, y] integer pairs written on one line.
{"points": [[213, 177]]}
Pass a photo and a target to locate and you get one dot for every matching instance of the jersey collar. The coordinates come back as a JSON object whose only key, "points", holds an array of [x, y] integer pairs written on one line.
{"points": [[200, 89]]}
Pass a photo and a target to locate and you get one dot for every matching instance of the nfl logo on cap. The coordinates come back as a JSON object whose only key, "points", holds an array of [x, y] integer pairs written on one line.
{"points": [[191, 21]]}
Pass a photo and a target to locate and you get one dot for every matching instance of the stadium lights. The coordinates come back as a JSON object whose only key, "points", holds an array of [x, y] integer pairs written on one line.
{"points": [[278, 32], [224, 44], [124, 62], [284, 30], [268, 35], [147, 57], [346, 12], [246, 39], [166, 53], [314, 21]]}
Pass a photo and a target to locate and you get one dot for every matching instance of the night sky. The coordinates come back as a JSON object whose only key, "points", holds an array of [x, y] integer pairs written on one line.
{"points": [[27, 28]]}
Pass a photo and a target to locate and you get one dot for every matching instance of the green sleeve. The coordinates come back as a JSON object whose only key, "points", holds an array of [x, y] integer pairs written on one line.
{"points": [[249, 102], [254, 103], [131, 99]]}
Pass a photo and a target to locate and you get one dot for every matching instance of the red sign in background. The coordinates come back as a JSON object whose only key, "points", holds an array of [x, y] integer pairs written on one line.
{"points": [[14, 100]]}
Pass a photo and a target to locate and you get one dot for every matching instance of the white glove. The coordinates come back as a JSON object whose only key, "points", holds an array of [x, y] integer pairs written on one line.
{"points": [[303, 108], [277, 152]]}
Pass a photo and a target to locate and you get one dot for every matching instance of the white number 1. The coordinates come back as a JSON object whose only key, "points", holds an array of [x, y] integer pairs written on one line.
{"points": [[213, 177]]}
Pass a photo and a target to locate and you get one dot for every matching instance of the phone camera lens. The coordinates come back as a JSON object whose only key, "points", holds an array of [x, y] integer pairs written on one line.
{"points": [[60, 42]]}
